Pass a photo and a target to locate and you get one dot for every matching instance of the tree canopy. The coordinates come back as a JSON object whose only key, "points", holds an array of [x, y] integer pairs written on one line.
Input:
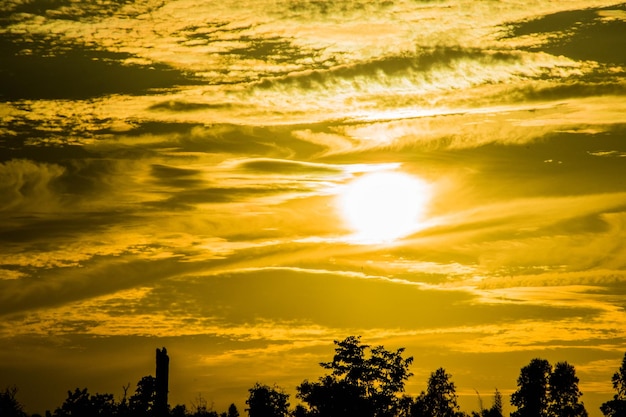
{"points": [[363, 382], [546, 392], [531, 397], [266, 401], [563, 392], [439, 400]]}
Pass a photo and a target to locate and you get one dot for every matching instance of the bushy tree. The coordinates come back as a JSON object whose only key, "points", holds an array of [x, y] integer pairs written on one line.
{"points": [[363, 382], [617, 406], [564, 394], [265, 401], [439, 400], [531, 397]]}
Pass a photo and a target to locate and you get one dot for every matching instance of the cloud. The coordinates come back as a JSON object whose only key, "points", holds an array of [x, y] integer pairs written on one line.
{"points": [[612, 154], [58, 287], [580, 251], [242, 181], [255, 299], [584, 35], [289, 167], [185, 106], [216, 195], [414, 75], [528, 216], [75, 72], [29, 186], [172, 176], [9, 274]]}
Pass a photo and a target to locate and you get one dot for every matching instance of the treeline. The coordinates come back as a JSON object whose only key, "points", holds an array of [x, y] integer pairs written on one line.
{"points": [[80, 403], [361, 381]]}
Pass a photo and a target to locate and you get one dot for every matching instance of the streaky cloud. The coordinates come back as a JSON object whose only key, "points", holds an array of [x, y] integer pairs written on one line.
{"points": [[185, 106], [288, 167], [59, 287]]}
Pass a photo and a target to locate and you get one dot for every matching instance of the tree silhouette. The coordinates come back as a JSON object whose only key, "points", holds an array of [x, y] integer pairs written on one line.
{"points": [[179, 410], [617, 406], [496, 408], [232, 411], [494, 411], [358, 384], [141, 404], [123, 408], [9, 405], [265, 401], [531, 397], [80, 403], [543, 392], [76, 404], [439, 400], [404, 406], [334, 398], [362, 381], [564, 393]]}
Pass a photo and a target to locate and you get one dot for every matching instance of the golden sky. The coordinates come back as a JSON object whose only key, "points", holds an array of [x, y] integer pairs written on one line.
{"points": [[244, 182]]}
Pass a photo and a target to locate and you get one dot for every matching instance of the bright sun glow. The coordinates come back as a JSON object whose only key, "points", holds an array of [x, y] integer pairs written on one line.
{"points": [[384, 206]]}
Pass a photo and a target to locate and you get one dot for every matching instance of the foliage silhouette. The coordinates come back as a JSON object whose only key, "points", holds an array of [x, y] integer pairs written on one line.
{"points": [[80, 403], [142, 403], [564, 393], [617, 406], [496, 409], [265, 401], [531, 397], [232, 411], [439, 400], [361, 382], [544, 392], [358, 384], [9, 406], [180, 410]]}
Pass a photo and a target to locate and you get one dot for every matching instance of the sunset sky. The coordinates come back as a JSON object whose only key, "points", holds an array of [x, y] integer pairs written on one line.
{"points": [[245, 182]]}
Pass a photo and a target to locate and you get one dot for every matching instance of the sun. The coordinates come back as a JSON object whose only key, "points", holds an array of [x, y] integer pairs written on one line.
{"points": [[384, 206]]}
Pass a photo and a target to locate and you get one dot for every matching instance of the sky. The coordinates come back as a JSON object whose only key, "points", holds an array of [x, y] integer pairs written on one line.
{"points": [[245, 182]]}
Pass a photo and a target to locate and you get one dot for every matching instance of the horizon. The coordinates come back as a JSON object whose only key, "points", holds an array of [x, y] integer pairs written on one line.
{"points": [[245, 183]]}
